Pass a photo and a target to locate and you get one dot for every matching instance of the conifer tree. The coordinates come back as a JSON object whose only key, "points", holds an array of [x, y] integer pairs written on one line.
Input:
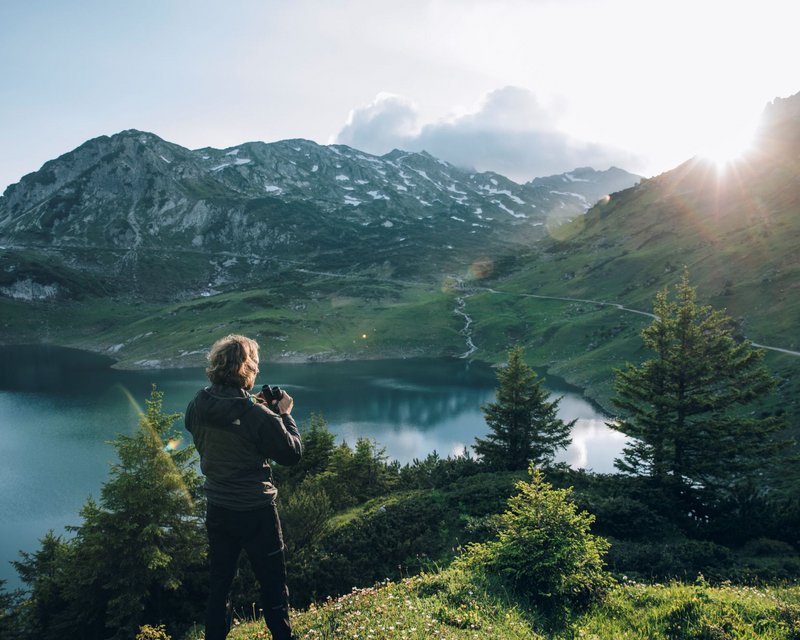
{"points": [[45, 574], [146, 536], [138, 557], [524, 424], [544, 549], [319, 445], [683, 408], [9, 624]]}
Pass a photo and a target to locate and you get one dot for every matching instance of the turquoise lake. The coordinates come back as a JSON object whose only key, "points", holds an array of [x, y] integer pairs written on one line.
{"points": [[59, 408]]}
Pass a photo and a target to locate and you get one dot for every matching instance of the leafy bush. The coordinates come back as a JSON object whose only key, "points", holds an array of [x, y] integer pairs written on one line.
{"points": [[484, 494], [304, 516], [544, 550], [435, 472]]}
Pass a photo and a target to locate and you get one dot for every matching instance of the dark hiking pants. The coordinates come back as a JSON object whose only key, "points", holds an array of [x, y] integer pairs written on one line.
{"points": [[259, 534]]}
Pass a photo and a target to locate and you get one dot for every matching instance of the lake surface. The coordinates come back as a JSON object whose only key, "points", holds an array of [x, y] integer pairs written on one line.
{"points": [[59, 408]]}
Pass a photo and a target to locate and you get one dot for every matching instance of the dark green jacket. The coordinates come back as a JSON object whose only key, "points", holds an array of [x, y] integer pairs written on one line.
{"points": [[234, 437]]}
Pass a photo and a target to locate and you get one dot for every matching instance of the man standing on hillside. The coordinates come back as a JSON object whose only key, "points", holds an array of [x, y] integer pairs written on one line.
{"points": [[235, 433]]}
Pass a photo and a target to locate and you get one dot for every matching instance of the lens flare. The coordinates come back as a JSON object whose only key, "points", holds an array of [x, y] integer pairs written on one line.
{"points": [[171, 445], [449, 284], [136, 406], [481, 268]]}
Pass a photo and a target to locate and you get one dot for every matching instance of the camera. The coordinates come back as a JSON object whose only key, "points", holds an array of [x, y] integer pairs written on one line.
{"points": [[271, 394]]}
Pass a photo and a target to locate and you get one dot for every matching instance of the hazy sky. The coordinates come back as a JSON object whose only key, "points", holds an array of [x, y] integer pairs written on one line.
{"points": [[522, 87]]}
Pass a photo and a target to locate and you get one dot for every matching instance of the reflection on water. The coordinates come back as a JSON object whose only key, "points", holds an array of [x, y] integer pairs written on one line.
{"points": [[594, 446], [60, 408]]}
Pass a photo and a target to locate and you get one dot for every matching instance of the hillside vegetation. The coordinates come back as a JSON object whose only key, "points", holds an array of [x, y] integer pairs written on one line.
{"points": [[455, 605]]}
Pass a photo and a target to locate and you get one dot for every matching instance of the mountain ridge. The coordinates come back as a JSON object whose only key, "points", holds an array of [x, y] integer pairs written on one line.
{"points": [[133, 191]]}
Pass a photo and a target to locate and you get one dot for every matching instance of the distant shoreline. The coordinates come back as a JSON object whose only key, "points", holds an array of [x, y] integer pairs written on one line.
{"points": [[105, 359]]}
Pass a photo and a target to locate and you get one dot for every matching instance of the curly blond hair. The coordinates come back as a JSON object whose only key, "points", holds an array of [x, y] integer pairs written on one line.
{"points": [[233, 360]]}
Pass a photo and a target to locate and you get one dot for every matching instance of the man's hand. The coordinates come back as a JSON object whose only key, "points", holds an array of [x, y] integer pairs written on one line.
{"points": [[285, 404]]}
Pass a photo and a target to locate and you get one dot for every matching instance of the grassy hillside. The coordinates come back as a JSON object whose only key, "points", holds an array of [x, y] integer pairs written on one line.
{"points": [[736, 233], [458, 605], [531, 577], [299, 316]]}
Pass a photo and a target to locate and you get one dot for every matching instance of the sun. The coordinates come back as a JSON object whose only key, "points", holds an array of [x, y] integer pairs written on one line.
{"points": [[726, 140], [723, 152]]}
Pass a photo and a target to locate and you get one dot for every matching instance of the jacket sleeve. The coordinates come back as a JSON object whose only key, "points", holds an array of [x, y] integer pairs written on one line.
{"points": [[277, 436], [189, 418]]}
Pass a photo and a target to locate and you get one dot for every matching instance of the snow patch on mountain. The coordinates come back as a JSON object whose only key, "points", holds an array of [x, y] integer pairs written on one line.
{"points": [[509, 211], [238, 161], [569, 177], [574, 195]]}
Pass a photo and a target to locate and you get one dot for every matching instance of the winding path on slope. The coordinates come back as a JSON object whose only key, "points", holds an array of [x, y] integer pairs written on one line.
{"points": [[461, 304], [621, 308], [461, 308]]}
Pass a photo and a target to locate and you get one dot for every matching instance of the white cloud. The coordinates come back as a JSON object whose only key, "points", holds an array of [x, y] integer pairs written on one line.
{"points": [[379, 126], [509, 132]]}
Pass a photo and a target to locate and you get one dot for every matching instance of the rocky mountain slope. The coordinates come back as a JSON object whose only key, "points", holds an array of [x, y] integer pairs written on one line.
{"points": [[110, 216], [583, 187]]}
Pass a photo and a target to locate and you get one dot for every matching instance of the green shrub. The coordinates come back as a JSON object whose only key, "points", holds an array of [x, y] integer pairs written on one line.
{"points": [[544, 551]]}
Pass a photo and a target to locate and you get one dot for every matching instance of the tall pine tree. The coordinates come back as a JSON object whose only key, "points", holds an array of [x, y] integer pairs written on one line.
{"points": [[524, 423], [683, 408], [139, 555]]}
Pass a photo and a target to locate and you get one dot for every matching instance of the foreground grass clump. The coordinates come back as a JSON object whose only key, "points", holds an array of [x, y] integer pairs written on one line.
{"points": [[443, 605], [452, 604], [695, 612]]}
